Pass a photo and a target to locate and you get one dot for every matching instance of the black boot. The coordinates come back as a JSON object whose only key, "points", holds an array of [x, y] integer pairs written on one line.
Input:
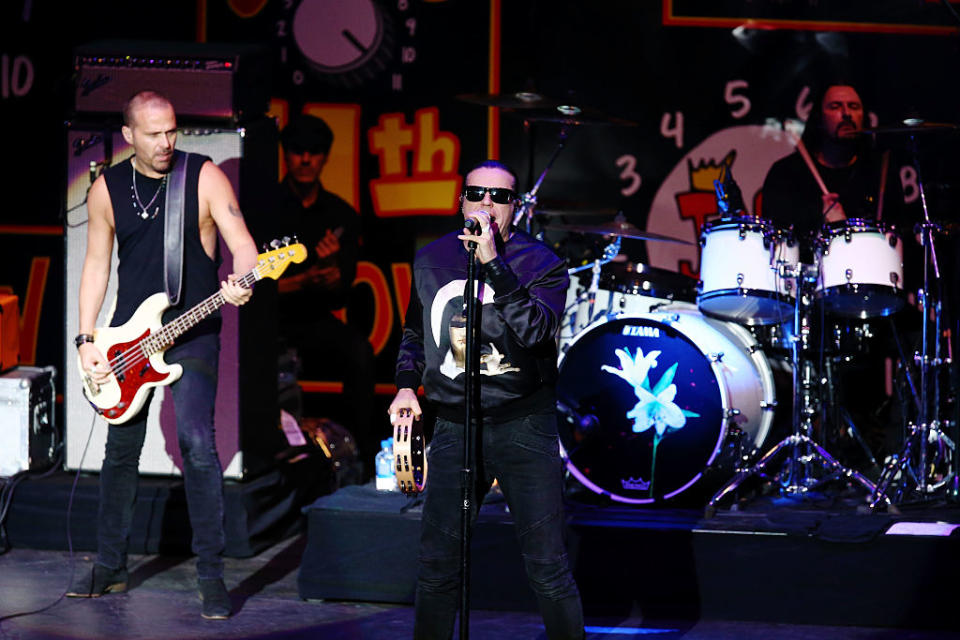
{"points": [[215, 599], [99, 581]]}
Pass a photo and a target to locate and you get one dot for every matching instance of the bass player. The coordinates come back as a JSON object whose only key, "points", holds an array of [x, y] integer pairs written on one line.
{"points": [[135, 201]]}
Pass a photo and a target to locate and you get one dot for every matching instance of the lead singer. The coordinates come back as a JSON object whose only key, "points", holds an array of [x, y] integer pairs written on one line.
{"points": [[523, 292]]}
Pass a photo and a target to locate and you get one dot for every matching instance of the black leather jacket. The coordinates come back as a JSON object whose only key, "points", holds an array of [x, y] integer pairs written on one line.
{"points": [[523, 294]]}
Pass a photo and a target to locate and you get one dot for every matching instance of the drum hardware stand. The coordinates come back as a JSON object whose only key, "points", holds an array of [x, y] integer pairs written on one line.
{"points": [[609, 253], [913, 465], [803, 451], [926, 429], [527, 201], [842, 417]]}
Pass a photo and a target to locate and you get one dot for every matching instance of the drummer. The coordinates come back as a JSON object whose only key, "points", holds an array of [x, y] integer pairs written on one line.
{"points": [[851, 171]]}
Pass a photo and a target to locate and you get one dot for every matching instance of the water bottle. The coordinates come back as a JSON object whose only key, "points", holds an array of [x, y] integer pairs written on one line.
{"points": [[386, 475]]}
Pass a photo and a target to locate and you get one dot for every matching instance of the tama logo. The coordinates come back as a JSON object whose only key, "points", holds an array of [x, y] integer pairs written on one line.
{"points": [[641, 330]]}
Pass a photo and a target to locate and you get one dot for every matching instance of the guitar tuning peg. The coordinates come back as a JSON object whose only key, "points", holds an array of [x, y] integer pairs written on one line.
{"points": [[275, 244], [264, 248], [286, 241]]}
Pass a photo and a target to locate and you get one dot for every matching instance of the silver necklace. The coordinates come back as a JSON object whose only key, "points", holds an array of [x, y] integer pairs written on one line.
{"points": [[141, 209]]}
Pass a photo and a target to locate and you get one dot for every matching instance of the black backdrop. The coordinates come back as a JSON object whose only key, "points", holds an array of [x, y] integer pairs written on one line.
{"points": [[731, 72]]}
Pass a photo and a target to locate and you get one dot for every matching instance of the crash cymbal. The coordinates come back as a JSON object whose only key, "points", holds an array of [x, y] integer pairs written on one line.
{"points": [[519, 100], [620, 228], [538, 108], [911, 126]]}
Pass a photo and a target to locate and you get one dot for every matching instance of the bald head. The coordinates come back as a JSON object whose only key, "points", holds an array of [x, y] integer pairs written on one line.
{"points": [[151, 129], [141, 100]]}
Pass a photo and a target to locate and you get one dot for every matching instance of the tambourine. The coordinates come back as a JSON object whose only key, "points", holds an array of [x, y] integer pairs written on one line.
{"points": [[410, 452]]}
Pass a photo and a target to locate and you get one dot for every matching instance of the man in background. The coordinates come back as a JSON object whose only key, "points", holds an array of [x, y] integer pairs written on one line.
{"points": [[311, 292]]}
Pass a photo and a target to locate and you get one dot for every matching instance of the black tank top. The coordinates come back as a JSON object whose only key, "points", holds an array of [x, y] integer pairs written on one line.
{"points": [[140, 244]]}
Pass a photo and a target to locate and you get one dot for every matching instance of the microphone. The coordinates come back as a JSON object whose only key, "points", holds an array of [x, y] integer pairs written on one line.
{"points": [[729, 197], [473, 226]]}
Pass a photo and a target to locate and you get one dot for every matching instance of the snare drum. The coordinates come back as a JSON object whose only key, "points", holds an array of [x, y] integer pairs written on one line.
{"points": [[624, 288], [740, 271], [861, 269], [648, 402]]}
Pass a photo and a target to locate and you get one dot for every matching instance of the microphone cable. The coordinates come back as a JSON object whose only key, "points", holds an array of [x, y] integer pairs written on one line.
{"points": [[73, 489]]}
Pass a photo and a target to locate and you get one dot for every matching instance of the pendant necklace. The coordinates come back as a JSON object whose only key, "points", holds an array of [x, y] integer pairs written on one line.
{"points": [[143, 209]]}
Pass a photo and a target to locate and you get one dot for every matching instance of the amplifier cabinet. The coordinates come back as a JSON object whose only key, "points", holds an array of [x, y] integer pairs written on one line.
{"points": [[246, 414], [28, 438], [212, 82]]}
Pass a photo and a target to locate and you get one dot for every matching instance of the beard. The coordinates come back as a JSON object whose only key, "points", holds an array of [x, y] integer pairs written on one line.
{"points": [[846, 131], [162, 164]]}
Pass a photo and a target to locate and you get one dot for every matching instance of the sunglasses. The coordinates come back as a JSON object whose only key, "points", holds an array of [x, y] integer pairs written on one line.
{"points": [[500, 195]]}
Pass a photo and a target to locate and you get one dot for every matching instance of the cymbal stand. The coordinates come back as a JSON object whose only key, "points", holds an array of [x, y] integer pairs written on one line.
{"points": [[528, 201], [834, 412], [912, 465], [796, 476], [609, 253]]}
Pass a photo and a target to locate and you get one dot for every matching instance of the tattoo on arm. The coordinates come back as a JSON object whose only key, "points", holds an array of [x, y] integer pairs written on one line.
{"points": [[235, 211]]}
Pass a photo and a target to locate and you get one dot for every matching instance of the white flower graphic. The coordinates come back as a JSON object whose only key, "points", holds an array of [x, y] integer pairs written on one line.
{"points": [[655, 407], [657, 411]]}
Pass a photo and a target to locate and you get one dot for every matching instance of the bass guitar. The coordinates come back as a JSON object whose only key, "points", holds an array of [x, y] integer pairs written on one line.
{"points": [[134, 350]]}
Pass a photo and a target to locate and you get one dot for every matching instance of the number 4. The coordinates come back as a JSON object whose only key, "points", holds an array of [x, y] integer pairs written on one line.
{"points": [[676, 131]]}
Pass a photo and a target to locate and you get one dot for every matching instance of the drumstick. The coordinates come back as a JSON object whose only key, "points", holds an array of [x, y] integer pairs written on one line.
{"points": [[802, 148], [884, 167]]}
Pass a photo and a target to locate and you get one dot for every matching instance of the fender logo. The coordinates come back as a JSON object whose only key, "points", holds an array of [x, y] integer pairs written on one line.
{"points": [[88, 85]]}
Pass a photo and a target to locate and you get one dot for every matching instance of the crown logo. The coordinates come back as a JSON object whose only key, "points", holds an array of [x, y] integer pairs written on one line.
{"points": [[634, 484], [703, 174]]}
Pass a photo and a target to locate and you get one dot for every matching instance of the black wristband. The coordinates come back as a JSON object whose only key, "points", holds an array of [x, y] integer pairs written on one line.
{"points": [[83, 338], [501, 275]]}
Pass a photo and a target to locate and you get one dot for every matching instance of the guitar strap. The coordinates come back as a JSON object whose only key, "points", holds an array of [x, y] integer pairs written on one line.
{"points": [[173, 227]]}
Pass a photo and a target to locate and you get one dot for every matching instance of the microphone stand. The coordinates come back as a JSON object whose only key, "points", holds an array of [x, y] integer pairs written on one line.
{"points": [[471, 404]]}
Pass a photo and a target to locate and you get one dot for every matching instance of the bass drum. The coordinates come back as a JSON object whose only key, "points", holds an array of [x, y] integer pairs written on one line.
{"points": [[648, 402]]}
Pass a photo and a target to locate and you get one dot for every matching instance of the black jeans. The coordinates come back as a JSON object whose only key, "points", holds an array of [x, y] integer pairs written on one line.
{"points": [[523, 455], [194, 396]]}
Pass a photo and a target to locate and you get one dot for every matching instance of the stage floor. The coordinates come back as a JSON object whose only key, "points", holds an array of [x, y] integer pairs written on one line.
{"points": [[162, 604], [778, 561], [773, 568]]}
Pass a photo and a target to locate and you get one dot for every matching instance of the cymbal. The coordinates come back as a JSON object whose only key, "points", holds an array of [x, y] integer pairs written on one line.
{"points": [[519, 100], [584, 116], [620, 228], [539, 108], [574, 213], [912, 125]]}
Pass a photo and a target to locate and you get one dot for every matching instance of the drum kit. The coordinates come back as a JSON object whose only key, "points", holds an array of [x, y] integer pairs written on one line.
{"points": [[696, 367], [668, 387]]}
